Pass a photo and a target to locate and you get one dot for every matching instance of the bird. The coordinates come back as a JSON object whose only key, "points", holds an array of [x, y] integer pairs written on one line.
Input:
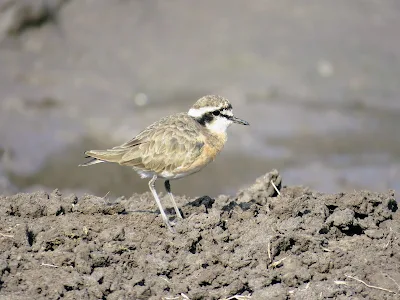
{"points": [[175, 146]]}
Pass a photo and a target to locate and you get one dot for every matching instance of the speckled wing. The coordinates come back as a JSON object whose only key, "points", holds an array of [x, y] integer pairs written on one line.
{"points": [[164, 146]]}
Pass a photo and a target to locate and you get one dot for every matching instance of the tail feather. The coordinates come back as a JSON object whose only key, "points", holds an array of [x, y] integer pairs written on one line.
{"points": [[93, 161], [100, 156]]}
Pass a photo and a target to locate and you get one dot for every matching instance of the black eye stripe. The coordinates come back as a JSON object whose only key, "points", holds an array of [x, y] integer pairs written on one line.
{"points": [[205, 118], [221, 110], [226, 116], [209, 116]]}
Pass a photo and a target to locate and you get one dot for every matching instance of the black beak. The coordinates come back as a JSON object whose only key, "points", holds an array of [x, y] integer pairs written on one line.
{"points": [[239, 121]]}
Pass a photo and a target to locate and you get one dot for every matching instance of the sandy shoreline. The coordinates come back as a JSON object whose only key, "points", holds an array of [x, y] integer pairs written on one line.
{"points": [[299, 245]]}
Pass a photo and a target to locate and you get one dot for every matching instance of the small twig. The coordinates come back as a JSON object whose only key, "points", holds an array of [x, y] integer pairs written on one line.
{"points": [[387, 244], [106, 195], [395, 282], [49, 265], [165, 279], [6, 235], [85, 230], [277, 263], [306, 288], [340, 282], [238, 297], [389, 237], [276, 189], [371, 286], [326, 249], [182, 296]]}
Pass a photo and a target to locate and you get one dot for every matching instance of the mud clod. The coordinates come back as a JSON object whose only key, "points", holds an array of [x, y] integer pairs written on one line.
{"points": [[205, 201], [299, 245]]}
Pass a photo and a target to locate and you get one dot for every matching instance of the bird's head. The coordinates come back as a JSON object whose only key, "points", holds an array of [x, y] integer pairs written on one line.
{"points": [[215, 113]]}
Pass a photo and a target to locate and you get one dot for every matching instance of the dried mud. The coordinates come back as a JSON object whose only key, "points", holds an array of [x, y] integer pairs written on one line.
{"points": [[299, 245]]}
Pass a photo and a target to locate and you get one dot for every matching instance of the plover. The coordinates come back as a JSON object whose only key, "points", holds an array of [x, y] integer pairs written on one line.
{"points": [[175, 146]]}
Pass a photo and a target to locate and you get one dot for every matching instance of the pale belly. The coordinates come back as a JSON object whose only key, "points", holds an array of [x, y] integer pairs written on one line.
{"points": [[168, 175]]}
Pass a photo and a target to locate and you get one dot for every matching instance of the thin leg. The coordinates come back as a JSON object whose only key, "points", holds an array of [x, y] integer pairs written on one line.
{"points": [[153, 191], [168, 188]]}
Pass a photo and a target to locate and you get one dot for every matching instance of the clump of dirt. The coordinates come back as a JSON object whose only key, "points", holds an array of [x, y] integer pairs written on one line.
{"points": [[300, 244]]}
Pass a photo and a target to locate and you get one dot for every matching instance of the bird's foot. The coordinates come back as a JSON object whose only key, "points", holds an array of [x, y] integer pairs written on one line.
{"points": [[178, 214], [170, 227]]}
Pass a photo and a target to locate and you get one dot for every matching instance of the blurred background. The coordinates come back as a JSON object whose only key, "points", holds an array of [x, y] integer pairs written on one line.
{"points": [[319, 82]]}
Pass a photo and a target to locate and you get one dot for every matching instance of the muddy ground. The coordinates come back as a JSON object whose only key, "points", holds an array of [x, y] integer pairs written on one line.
{"points": [[317, 80], [301, 244]]}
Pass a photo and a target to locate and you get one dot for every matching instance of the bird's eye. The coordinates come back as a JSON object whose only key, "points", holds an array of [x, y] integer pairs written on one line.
{"points": [[216, 113]]}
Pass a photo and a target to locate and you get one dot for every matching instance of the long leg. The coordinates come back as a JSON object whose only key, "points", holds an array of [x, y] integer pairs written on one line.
{"points": [[168, 188], [153, 191]]}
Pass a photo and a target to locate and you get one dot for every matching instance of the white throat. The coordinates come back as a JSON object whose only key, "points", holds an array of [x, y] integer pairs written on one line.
{"points": [[219, 125]]}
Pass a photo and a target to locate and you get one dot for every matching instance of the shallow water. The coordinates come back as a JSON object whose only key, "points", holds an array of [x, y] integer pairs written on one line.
{"points": [[319, 90]]}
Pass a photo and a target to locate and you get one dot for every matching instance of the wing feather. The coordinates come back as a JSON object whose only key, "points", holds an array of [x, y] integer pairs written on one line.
{"points": [[164, 146]]}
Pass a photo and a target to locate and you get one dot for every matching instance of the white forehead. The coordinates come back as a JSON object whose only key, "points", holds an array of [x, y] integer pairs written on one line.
{"points": [[198, 112]]}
